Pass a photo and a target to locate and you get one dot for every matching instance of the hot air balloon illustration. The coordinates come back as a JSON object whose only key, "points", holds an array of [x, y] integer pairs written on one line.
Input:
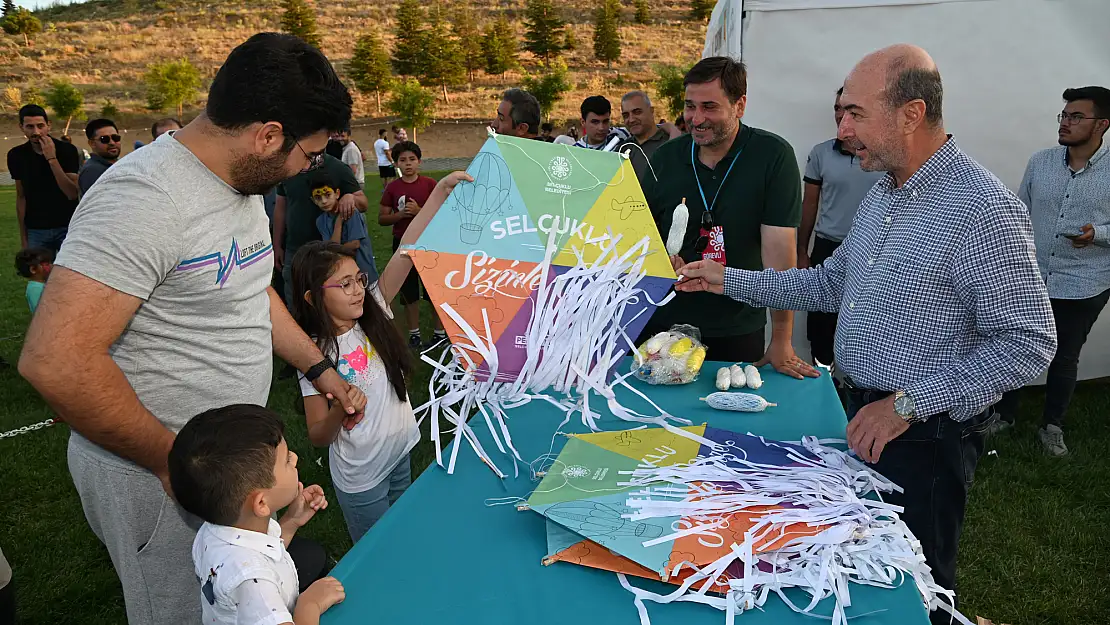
{"points": [[477, 202], [597, 520]]}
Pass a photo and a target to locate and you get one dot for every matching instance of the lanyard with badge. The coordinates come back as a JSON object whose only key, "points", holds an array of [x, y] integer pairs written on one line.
{"points": [[711, 239]]}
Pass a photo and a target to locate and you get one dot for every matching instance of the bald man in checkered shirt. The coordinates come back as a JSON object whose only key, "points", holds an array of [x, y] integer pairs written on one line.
{"points": [[942, 308]]}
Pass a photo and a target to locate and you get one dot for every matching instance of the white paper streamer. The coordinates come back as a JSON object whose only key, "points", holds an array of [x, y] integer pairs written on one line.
{"points": [[863, 542]]}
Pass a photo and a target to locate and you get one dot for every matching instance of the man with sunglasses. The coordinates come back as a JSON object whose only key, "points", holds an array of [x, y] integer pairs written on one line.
{"points": [[743, 191], [159, 307], [1067, 190], [104, 141]]}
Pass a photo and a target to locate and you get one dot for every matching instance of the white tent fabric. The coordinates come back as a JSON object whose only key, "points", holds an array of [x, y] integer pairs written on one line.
{"points": [[1005, 65]]}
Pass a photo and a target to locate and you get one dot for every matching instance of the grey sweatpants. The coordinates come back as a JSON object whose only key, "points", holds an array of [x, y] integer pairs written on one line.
{"points": [[148, 536]]}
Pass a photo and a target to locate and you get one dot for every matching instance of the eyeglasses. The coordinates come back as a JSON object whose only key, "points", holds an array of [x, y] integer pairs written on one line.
{"points": [[106, 139], [314, 160], [707, 225], [348, 285], [1073, 118]]}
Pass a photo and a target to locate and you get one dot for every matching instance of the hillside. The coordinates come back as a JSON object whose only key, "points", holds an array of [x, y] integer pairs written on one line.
{"points": [[105, 46]]}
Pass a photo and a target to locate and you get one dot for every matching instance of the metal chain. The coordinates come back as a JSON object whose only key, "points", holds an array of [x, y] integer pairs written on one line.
{"points": [[28, 428]]}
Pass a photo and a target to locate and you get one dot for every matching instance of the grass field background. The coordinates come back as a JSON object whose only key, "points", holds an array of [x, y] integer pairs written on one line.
{"points": [[1035, 547]]}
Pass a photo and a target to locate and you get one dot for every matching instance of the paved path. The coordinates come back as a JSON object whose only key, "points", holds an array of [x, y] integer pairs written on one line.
{"points": [[430, 164]]}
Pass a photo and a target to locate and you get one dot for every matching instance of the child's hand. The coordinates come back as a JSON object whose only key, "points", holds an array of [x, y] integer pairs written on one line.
{"points": [[411, 207], [309, 500], [358, 399], [321, 595]]}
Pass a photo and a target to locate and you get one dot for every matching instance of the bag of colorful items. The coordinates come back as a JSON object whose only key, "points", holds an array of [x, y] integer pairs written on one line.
{"points": [[671, 357]]}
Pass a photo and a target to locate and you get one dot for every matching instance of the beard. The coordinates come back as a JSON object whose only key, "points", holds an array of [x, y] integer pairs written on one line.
{"points": [[882, 153], [255, 175], [719, 132]]}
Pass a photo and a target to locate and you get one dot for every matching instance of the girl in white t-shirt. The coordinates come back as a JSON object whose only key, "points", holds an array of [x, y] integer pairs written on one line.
{"points": [[352, 324]]}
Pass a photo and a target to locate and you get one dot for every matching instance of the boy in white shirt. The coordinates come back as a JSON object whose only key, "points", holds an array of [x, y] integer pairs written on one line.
{"points": [[232, 467], [385, 160]]}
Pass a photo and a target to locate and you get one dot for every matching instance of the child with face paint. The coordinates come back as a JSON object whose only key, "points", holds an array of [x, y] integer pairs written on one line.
{"points": [[351, 233]]}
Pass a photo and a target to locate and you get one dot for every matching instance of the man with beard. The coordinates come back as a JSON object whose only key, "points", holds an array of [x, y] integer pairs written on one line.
{"points": [[159, 307], [742, 188], [1067, 190], [104, 141], [639, 119], [351, 155], [941, 306], [45, 174]]}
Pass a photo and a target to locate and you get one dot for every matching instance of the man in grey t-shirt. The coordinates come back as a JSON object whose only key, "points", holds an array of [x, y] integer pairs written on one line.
{"points": [[834, 187], [144, 326]]}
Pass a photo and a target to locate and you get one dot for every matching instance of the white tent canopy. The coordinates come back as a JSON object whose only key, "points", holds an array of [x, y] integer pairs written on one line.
{"points": [[1005, 64]]}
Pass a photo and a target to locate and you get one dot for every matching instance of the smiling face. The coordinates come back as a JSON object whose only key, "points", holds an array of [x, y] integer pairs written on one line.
{"points": [[343, 296], [869, 125], [638, 116], [106, 143], [710, 117]]}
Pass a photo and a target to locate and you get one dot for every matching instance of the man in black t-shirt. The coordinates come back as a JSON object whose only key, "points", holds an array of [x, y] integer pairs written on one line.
{"points": [[45, 174]]}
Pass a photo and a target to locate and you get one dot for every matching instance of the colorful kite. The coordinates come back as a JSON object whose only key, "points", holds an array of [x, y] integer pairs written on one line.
{"points": [[485, 248], [729, 519], [543, 270]]}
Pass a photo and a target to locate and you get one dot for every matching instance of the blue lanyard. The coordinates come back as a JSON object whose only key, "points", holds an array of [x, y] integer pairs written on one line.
{"points": [[693, 163]]}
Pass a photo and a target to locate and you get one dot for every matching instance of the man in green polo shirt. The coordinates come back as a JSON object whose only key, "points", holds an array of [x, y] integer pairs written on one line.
{"points": [[744, 194]]}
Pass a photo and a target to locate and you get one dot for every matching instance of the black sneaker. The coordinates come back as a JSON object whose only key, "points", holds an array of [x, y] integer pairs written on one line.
{"points": [[414, 341], [438, 340]]}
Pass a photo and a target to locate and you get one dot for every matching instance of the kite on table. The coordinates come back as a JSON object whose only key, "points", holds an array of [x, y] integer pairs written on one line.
{"points": [[729, 520], [543, 271]]}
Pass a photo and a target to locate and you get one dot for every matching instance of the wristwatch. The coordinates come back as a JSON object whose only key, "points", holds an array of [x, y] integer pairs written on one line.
{"points": [[318, 369], [904, 407]]}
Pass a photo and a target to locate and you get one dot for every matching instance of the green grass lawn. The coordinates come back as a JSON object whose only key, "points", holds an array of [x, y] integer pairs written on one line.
{"points": [[1034, 548]]}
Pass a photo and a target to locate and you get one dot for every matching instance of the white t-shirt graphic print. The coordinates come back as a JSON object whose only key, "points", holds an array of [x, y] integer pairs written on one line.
{"points": [[362, 457]]}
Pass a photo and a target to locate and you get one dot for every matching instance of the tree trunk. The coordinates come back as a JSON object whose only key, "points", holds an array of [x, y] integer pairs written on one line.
{"points": [[414, 134], [68, 120], [445, 98], [180, 109], [378, 95], [26, 41]]}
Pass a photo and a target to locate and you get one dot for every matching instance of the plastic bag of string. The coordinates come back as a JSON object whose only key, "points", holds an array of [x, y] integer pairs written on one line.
{"points": [[672, 357]]}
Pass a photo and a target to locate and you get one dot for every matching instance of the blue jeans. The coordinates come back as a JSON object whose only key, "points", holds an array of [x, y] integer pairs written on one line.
{"points": [[362, 510], [50, 238]]}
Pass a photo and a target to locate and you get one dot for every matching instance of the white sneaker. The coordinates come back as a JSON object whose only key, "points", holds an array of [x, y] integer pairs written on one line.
{"points": [[1052, 438]]}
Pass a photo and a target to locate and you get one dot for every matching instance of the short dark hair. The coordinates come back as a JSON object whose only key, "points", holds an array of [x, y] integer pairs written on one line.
{"points": [[596, 104], [161, 123], [320, 178], [29, 257], [32, 110], [547, 127], [908, 83], [525, 109], [279, 78], [220, 456], [97, 124], [1099, 96], [405, 146], [381, 132], [840, 92], [732, 74]]}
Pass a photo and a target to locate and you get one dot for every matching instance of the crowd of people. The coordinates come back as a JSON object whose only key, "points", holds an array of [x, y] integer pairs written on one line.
{"points": [[935, 292]]}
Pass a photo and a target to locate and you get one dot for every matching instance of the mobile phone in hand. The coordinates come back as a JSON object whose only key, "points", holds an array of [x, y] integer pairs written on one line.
{"points": [[1073, 236]]}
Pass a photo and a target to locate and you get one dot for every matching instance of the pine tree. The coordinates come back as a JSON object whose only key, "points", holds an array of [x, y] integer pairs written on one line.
{"points": [[369, 67], [9, 6], [499, 46], [442, 64], [701, 9], [643, 12], [408, 47], [470, 41], [543, 30], [20, 21], [669, 88], [570, 42], [299, 19], [607, 34]]}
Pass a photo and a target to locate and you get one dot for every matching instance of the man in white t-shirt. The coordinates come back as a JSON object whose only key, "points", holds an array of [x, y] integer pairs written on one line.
{"points": [[385, 160], [352, 156]]}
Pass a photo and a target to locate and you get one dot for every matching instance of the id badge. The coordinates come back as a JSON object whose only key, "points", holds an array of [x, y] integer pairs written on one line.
{"points": [[715, 248]]}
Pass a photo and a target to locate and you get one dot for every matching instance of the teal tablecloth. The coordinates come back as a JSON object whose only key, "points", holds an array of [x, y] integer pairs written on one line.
{"points": [[442, 556]]}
